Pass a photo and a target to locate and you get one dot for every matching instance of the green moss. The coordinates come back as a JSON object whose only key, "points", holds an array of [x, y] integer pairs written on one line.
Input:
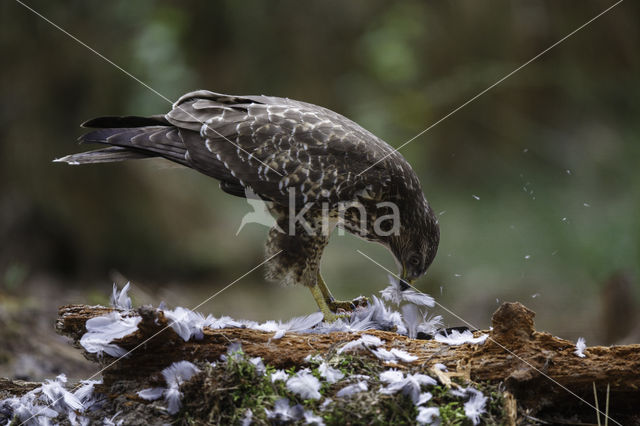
{"points": [[371, 407], [222, 394]]}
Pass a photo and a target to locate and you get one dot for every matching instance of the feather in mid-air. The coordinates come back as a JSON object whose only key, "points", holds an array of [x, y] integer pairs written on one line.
{"points": [[314, 168]]}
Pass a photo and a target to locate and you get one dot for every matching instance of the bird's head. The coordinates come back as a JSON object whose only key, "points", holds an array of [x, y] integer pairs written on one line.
{"points": [[415, 246]]}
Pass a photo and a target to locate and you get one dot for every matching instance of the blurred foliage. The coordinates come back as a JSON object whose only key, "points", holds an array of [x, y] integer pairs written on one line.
{"points": [[551, 153]]}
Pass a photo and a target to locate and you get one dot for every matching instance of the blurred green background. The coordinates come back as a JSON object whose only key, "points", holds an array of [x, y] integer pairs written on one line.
{"points": [[551, 154]]}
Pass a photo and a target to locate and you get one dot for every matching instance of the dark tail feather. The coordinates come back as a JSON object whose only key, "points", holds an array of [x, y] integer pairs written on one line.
{"points": [[104, 155], [128, 121], [134, 137]]}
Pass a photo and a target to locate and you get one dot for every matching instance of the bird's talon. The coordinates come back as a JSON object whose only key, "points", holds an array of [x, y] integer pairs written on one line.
{"points": [[341, 306], [347, 305], [361, 301]]}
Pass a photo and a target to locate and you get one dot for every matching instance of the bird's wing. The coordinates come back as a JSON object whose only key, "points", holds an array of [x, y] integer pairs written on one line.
{"points": [[143, 137], [275, 144]]}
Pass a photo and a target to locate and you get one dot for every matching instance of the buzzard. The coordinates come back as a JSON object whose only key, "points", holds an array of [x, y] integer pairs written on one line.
{"points": [[314, 168]]}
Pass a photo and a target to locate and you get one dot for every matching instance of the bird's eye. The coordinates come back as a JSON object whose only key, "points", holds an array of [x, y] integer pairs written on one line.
{"points": [[414, 260]]}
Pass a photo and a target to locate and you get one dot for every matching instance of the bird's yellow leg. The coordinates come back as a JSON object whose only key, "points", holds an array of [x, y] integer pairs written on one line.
{"points": [[324, 289], [334, 304], [318, 295]]}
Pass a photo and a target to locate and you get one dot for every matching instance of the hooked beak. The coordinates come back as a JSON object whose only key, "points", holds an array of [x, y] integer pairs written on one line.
{"points": [[405, 282]]}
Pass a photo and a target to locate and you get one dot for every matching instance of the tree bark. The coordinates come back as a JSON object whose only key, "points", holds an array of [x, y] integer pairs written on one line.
{"points": [[540, 370]]}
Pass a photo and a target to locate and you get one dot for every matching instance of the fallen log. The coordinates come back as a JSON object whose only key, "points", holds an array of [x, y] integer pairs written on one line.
{"points": [[543, 372], [10, 387]]}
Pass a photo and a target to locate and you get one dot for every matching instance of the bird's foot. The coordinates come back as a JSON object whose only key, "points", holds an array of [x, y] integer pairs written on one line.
{"points": [[339, 306], [331, 317], [330, 314]]}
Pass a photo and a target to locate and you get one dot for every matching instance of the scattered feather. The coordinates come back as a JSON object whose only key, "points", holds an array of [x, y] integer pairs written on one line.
{"points": [[85, 393], [31, 413], [76, 420], [297, 324], [314, 358], [359, 320], [351, 390], [312, 419], [580, 347], [418, 298], [391, 376], [424, 397], [475, 406], [395, 294], [248, 324], [151, 394], [269, 326], [101, 331], [44, 403], [279, 375], [120, 299], [186, 323], [417, 321], [111, 421], [283, 412], [385, 318], [430, 325], [392, 293], [364, 342], [174, 375], [394, 355], [260, 368], [402, 355], [305, 385], [325, 404], [179, 372], [222, 322], [330, 374], [409, 385], [234, 352], [383, 354], [248, 417], [172, 397], [428, 415], [461, 393], [440, 366], [412, 319], [456, 338], [58, 397]]}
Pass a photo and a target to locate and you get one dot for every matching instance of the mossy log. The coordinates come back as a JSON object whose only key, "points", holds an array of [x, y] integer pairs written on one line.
{"points": [[9, 388], [540, 370]]}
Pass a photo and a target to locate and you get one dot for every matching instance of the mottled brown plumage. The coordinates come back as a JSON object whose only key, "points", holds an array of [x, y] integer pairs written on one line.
{"points": [[286, 152]]}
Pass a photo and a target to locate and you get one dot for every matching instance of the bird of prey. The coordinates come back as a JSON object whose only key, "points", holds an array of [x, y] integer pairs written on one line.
{"points": [[313, 167]]}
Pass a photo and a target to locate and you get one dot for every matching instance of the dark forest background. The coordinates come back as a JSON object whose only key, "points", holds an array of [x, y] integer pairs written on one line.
{"points": [[551, 154]]}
